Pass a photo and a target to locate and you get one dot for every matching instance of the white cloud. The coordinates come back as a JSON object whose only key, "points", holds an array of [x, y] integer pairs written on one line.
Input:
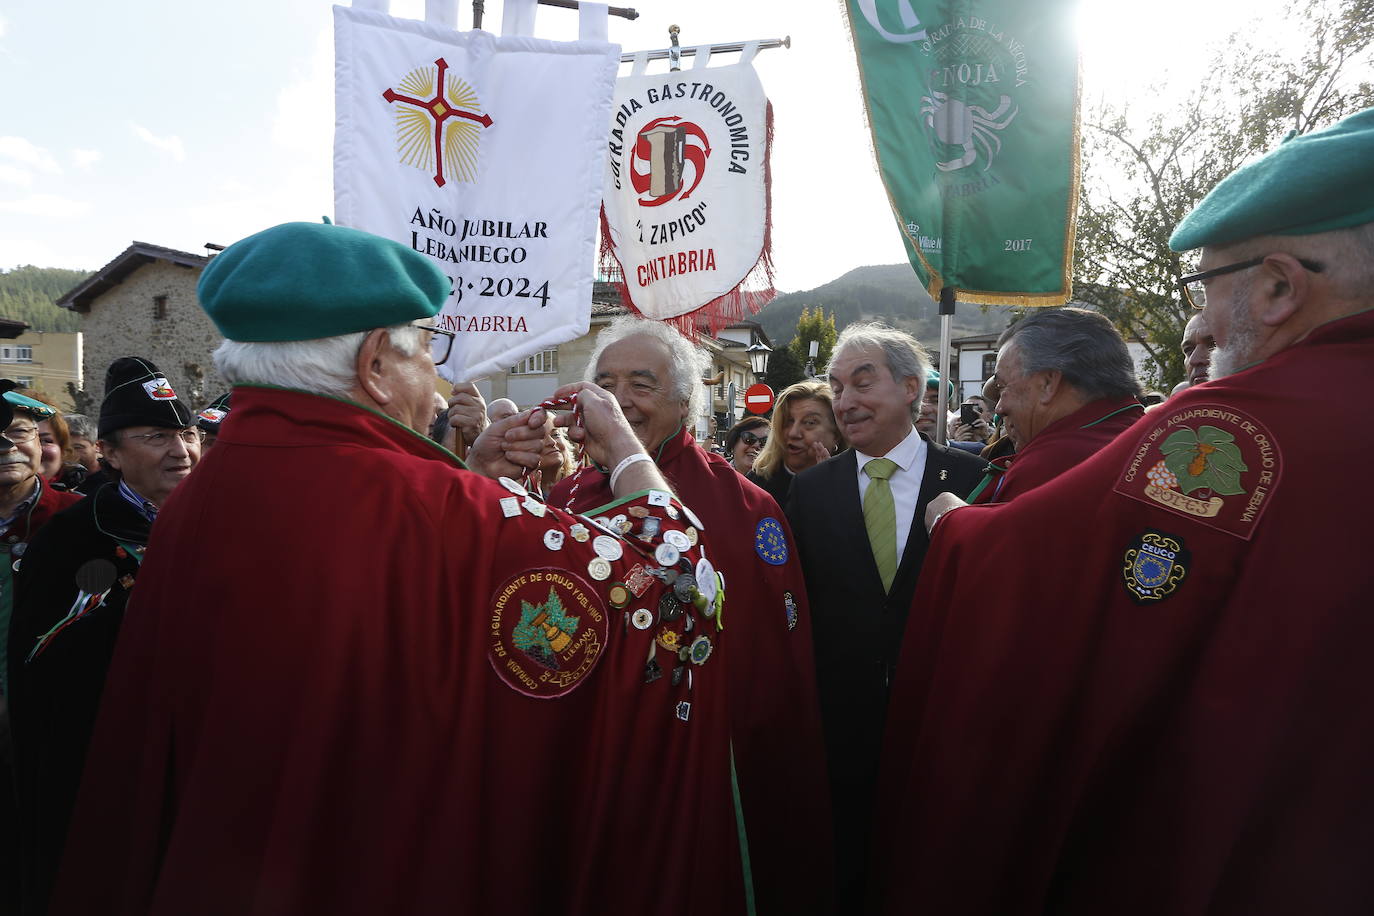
{"points": [[85, 158], [304, 122], [4, 24], [45, 205], [10, 174], [26, 153], [170, 145]]}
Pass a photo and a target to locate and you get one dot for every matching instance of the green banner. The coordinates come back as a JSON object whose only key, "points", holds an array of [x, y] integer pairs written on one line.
{"points": [[974, 112]]}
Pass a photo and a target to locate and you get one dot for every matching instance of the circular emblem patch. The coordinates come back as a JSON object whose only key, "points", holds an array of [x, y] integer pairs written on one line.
{"points": [[547, 632], [770, 543]]}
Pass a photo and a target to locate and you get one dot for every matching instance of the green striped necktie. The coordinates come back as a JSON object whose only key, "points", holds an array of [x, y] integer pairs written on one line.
{"points": [[880, 518]]}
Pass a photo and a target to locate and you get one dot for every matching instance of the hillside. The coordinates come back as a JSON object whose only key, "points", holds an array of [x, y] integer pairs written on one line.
{"points": [[886, 292], [28, 293]]}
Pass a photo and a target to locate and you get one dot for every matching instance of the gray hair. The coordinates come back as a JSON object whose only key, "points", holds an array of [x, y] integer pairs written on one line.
{"points": [[1082, 345], [325, 365], [80, 426], [904, 355], [687, 363], [1346, 255]]}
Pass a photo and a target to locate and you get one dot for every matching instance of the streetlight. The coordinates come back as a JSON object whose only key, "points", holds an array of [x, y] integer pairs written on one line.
{"points": [[811, 359], [758, 354]]}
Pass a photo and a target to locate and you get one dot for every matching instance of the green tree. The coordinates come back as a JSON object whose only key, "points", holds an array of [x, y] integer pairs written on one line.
{"points": [[814, 324], [783, 369], [30, 294], [1143, 175]]}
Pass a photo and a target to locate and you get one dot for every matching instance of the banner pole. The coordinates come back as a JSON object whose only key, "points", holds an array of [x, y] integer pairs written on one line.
{"points": [[947, 300], [623, 12], [722, 48]]}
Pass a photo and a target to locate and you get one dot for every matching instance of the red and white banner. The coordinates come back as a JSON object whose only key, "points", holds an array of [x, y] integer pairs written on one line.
{"points": [[686, 207], [487, 154]]}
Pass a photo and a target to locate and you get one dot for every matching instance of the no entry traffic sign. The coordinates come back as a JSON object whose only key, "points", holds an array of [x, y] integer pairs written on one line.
{"points": [[758, 398]]}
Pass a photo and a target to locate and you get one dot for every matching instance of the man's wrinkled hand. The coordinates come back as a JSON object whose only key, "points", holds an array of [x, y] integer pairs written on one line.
{"points": [[942, 503], [507, 447], [467, 411], [606, 433]]}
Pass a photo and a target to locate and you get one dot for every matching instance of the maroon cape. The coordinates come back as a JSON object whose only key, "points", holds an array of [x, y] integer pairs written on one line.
{"points": [[350, 682], [774, 711], [1062, 445], [1160, 702]]}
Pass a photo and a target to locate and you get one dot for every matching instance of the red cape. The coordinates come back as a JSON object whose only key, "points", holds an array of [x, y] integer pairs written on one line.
{"points": [[1159, 703], [774, 710], [1062, 445], [320, 701]]}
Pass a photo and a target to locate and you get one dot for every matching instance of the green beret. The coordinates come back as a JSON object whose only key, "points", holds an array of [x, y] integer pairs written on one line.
{"points": [[933, 381], [304, 281], [1313, 182], [37, 409]]}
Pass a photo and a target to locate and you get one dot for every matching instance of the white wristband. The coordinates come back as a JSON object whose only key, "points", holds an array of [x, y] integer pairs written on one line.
{"points": [[626, 462]]}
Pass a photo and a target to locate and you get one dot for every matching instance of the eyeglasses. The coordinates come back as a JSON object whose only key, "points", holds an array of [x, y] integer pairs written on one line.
{"points": [[21, 434], [1195, 294], [448, 341], [192, 436], [752, 440]]}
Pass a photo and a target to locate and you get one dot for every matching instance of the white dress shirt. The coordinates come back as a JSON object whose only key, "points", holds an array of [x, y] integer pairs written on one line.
{"points": [[905, 482]]}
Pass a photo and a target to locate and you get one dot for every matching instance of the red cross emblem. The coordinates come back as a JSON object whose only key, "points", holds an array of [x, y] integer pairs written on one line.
{"points": [[441, 109]]}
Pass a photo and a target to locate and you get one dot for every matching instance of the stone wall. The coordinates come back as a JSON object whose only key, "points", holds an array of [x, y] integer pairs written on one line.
{"points": [[122, 322]]}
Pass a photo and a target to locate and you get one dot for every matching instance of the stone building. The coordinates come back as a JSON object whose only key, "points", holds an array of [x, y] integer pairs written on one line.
{"points": [[143, 303]]}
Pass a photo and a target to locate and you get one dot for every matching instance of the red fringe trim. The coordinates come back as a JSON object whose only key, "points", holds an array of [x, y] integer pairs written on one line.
{"points": [[735, 305]]}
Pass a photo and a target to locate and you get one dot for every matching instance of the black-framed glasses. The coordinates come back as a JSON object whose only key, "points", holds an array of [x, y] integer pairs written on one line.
{"points": [[1195, 294], [193, 435], [751, 440], [448, 341]]}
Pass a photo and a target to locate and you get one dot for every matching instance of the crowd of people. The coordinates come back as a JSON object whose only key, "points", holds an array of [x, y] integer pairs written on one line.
{"points": [[336, 643]]}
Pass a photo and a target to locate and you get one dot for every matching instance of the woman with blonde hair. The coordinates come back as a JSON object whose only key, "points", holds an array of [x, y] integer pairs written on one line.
{"points": [[804, 434]]}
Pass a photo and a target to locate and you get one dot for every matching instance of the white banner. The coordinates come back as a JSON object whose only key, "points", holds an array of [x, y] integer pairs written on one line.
{"points": [[686, 202], [486, 154]]}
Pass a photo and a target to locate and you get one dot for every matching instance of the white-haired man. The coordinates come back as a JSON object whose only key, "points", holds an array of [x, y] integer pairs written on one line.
{"points": [[861, 543], [655, 375], [359, 679], [1154, 706]]}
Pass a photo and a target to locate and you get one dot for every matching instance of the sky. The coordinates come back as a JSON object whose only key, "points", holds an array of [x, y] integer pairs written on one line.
{"points": [[181, 123]]}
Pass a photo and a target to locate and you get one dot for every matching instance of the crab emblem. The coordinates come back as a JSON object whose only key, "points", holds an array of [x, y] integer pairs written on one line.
{"points": [[959, 124]]}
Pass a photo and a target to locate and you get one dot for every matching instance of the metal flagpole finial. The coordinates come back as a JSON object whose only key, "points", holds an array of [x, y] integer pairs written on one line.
{"points": [[675, 52]]}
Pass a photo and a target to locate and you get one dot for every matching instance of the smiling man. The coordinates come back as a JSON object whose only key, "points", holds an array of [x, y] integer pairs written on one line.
{"points": [[857, 523], [63, 636], [655, 375]]}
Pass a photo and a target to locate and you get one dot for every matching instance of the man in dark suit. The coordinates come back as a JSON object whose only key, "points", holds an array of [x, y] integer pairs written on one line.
{"points": [[857, 523]]}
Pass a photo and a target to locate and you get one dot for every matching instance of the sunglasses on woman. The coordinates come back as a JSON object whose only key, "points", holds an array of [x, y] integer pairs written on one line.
{"points": [[752, 440]]}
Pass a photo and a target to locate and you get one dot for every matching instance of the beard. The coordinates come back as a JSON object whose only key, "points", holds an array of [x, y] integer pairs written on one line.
{"points": [[1242, 341]]}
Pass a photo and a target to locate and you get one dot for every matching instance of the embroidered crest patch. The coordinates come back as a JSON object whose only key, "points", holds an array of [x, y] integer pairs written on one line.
{"points": [[790, 605], [770, 543], [1154, 566], [547, 632], [1209, 463], [159, 389], [213, 414]]}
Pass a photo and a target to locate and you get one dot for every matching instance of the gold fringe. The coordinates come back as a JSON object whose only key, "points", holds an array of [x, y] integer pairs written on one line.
{"points": [[986, 297]]}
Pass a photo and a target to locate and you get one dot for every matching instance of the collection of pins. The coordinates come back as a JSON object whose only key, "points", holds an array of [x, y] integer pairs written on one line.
{"points": [[692, 588]]}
